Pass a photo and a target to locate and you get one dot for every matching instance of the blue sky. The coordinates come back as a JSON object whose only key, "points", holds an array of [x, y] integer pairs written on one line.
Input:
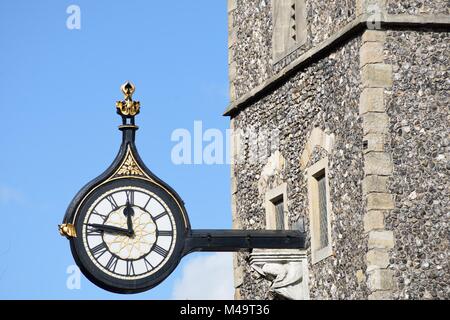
{"points": [[59, 127]]}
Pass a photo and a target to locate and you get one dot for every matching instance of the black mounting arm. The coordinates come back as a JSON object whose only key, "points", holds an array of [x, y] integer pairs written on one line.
{"points": [[237, 240]]}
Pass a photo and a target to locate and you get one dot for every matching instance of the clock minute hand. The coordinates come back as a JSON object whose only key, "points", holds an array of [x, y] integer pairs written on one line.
{"points": [[107, 228]]}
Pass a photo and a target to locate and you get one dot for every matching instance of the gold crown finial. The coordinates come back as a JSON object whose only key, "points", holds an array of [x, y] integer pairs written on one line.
{"points": [[128, 89], [128, 107]]}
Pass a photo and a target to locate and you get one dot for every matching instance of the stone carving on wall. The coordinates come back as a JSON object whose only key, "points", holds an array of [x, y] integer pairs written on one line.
{"points": [[287, 270], [271, 174], [317, 138]]}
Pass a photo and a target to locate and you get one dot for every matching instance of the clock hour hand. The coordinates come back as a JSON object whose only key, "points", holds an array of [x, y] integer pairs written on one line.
{"points": [[106, 228], [129, 213]]}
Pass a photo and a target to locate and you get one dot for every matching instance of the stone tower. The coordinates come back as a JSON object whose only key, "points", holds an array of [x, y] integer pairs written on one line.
{"points": [[340, 118]]}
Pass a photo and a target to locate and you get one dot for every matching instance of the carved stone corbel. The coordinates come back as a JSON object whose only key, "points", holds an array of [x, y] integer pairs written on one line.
{"points": [[287, 269]]}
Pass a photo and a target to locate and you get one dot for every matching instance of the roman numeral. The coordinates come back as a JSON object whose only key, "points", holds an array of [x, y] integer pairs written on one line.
{"points": [[164, 233], [130, 196], [99, 250], [148, 265], [112, 263], [91, 231], [99, 214], [130, 268], [162, 214], [161, 251], [149, 198], [112, 202]]}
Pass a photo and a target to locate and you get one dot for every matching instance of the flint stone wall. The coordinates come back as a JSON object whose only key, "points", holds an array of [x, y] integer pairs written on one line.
{"points": [[416, 7], [418, 108]]}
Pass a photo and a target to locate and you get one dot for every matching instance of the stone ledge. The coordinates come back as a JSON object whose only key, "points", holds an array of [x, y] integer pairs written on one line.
{"points": [[417, 20]]}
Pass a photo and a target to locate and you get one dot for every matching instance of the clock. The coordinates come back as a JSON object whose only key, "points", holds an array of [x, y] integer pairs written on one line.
{"points": [[128, 229], [129, 235]]}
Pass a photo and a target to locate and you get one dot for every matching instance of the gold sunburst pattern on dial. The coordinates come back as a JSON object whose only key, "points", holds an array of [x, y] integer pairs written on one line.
{"points": [[136, 246]]}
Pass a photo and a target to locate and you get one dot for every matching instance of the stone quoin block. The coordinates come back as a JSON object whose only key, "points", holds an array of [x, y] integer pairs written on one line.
{"points": [[238, 274], [374, 142], [381, 240], [375, 184], [234, 188], [371, 100], [231, 38], [378, 163], [381, 295], [232, 4], [232, 92], [381, 279], [374, 36], [232, 71], [360, 276], [237, 294], [373, 220], [237, 223], [377, 76], [380, 201], [230, 54], [371, 52], [377, 259], [375, 123]]}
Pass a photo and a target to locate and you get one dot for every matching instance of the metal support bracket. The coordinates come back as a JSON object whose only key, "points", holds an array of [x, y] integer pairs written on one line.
{"points": [[238, 240]]}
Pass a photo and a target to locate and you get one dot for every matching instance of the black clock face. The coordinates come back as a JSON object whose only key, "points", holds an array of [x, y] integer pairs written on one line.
{"points": [[129, 235]]}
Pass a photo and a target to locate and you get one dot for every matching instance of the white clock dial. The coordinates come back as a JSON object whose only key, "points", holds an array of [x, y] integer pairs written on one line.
{"points": [[129, 247]]}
